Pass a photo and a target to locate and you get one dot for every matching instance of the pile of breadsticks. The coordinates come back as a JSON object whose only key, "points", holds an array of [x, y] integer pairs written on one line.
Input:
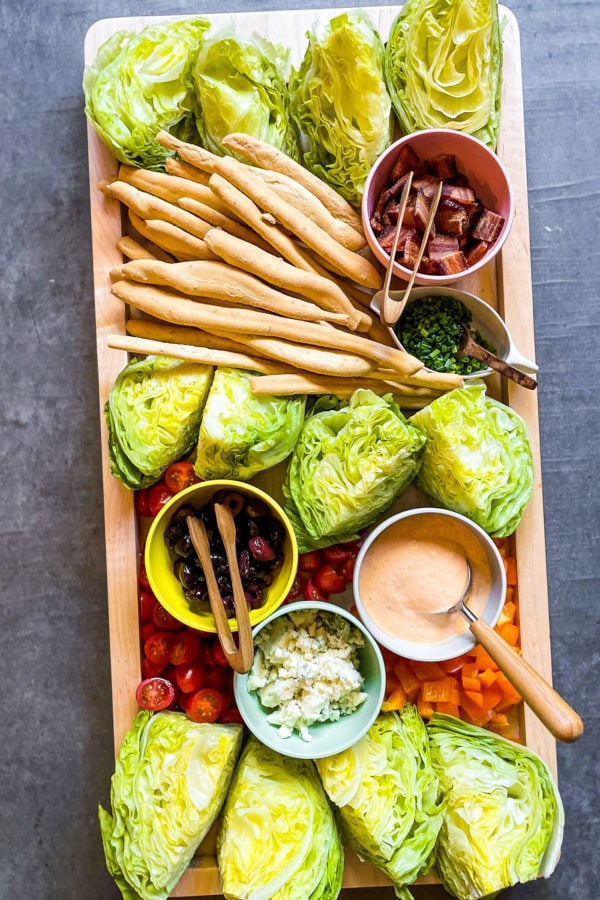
{"points": [[257, 265]]}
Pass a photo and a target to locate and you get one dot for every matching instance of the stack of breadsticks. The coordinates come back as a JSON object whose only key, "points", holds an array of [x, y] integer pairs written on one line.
{"points": [[256, 265]]}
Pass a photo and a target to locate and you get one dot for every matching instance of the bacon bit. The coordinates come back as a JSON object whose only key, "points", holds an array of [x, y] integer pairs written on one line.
{"points": [[411, 248], [387, 238], [441, 244], [449, 263], [443, 166], [451, 218], [408, 161], [458, 194], [488, 227], [426, 184], [422, 210], [476, 252]]}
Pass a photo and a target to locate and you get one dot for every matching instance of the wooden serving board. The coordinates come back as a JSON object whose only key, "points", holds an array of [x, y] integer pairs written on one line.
{"points": [[505, 284]]}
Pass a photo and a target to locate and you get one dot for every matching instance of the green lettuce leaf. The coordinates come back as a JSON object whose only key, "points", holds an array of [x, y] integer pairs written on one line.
{"points": [[477, 460], [504, 817], [388, 797], [243, 433], [170, 780], [340, 103], [241, 86], [153, 416], [278, 837], [352, 460], [141, 84], [443, 66]]}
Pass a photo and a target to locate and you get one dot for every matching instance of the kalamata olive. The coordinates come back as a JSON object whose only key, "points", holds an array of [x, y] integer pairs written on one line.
{"points": [[261, 549], [229, 605], [181, 514], [244, 563], [255, 508], [235, 501], [185, 573], [173, 534], [184, 546]]}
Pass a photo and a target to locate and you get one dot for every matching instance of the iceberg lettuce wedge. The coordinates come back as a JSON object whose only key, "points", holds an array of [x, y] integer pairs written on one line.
{"points": [[278, 837], [140, 84], [241, 86], [477, 460], [153, 416], [352, 460], [243, 433], [340, 102], [388, 797], [170, 780], [504, 817], [443, 66]]}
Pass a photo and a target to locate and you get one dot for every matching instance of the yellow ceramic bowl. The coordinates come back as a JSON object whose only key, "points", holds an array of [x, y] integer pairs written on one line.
{"points": [[166, 586]]}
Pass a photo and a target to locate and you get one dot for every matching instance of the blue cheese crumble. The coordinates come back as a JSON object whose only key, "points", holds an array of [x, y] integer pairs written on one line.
{"points": [[306, 669]]}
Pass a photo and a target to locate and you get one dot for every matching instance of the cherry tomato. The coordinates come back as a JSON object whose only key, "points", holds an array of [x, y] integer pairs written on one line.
{"points": [[141, 503], [190, 677], [327, 580], [206, 705], [142, 574], [232, 714], [158, 495], [346, 570], [185, 648], [336, 554], [217, 656], [296, 589], [157, 648], [164, 619], [179, 475], [310, 561], [311, 592], [155, 693], [147, 629], [216, 677], [151, 669], [147, 604]]}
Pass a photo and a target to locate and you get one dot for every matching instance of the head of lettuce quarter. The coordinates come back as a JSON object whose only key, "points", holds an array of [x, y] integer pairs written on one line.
{"points": [[352, 460], [443, 67], [171, 777], [142, 83], [477, 460]]}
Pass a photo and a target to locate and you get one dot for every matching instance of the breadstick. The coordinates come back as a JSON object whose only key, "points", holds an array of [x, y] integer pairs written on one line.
{"points": [[322, 291], [194, 354], [326, 362], [269, 157], [170, 237], [172, 307], [149, 207], [185, 170], [133, 249], [218, 220], [170, 187], [298, 383], [302, 199], [218, 281], [197, 156]]}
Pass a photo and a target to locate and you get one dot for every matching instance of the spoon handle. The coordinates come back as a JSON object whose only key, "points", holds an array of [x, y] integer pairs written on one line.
{"points": [[471, 348], [559, 718]]}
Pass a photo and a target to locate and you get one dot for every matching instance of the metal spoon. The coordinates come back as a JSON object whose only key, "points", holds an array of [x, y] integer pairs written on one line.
{"points": [[469, 347], [556, 714]]}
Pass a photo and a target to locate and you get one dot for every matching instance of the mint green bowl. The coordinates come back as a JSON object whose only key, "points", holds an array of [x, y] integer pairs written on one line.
{"points": [[327, 737]]}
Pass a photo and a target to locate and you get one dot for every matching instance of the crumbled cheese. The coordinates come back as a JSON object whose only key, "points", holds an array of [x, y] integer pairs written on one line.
{"points": [[306, 670]]}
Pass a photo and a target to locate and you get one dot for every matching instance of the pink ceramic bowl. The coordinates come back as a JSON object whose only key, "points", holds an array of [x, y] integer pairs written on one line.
{"points": [[484, 171]]}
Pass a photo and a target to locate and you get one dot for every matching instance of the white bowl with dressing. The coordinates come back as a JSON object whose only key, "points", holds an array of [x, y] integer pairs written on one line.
{"points": [[410, 570]]}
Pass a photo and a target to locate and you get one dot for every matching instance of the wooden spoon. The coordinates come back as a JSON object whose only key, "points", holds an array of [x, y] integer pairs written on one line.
{"points": [[559, 718], [240, 658], [468, 346]]}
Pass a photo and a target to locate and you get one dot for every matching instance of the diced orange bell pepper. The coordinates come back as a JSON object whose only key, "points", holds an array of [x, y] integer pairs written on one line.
{"points": [[450, 709], [510, 696], [510, 632], [407, 678], [424, 708], [445, 690], [428, 671], [510, 566], [454, 665], [471, 684], [487, 677], [484, 660], [470, 670], [508, 613], [391, 682], [491, 697], [476, 698], [395, 700]]}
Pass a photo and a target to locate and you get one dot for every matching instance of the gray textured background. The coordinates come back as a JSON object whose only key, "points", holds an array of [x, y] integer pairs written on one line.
{"points": [[57, 753]]}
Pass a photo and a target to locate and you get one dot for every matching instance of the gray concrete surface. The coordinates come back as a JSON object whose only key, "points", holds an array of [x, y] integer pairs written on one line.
{"points": [[56, 754]]}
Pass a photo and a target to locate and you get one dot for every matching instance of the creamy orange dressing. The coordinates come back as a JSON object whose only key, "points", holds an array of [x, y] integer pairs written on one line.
{"points": [[415, 571]]}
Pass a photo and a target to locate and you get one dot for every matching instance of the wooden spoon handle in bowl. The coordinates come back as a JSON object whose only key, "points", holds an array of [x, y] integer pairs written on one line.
{"points": [[470, 347], [559, 718], [227, 530]]}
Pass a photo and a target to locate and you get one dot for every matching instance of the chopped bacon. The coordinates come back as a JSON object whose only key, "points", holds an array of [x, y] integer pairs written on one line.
{"points": [[476, 252], [422, 206], [427, 184], [449, 263], [459, 194], [440, 244], [488, 226], [451, 218], [443, 166], [387, 238], [410, 248], [406, 162]]}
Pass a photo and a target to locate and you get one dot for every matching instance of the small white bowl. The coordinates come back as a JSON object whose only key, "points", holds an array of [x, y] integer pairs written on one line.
{"points": [[460, 643], [485, 320]]}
